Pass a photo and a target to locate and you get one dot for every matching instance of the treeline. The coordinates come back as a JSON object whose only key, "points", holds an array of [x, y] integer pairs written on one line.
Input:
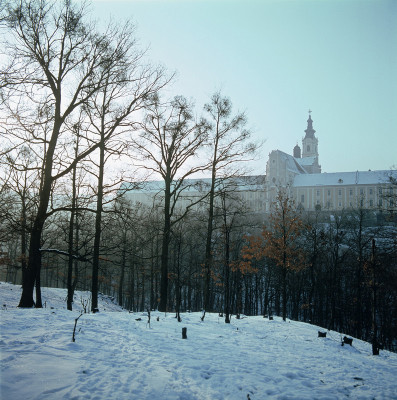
{"points": [[82, 111], [337, 271]]}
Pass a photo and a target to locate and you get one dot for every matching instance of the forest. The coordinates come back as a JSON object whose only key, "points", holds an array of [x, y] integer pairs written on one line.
{"points": [[83, 112]]}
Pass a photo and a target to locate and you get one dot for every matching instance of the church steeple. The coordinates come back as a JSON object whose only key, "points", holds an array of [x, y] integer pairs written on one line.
{"points": [[310, 131], [310, 147]]}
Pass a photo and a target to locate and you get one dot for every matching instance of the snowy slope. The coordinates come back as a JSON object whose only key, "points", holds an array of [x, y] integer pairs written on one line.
{"points": [[117, 357]]}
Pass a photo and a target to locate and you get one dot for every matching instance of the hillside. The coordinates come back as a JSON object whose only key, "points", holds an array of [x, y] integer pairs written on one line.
{"points": [[118, 356]]}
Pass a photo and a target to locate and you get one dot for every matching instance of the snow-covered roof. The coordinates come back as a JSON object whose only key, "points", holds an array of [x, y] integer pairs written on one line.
{"points": [[346, 178], [242, 183], [290, 162], [306, 161]]}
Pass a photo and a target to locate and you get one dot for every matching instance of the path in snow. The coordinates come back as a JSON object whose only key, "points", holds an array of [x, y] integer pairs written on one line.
{"points": [[117, 357]]}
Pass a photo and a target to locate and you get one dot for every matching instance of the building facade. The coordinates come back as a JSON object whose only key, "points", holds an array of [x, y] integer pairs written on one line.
{"points": [[247, 192], [313, 190], [299, 173]]}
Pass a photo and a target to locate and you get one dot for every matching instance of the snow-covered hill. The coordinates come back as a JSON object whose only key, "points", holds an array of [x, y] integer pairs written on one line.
{"points": [[118, 356]]}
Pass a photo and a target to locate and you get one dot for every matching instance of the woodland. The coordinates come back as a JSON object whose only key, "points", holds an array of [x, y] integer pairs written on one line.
{"points": [[83, 111]]}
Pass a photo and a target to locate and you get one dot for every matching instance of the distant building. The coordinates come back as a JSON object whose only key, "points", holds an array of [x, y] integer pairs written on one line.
{"points": [[248, 191], [301, 174], [313, 190]]}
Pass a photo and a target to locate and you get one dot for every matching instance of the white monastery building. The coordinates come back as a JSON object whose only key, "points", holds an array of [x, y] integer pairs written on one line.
{"points": [[313, 190], [301, 175]]}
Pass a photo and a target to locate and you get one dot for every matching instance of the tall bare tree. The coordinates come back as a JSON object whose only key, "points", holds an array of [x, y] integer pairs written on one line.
{"points": [[57, 62], [230, 145], [169, 141], [127, 89]]}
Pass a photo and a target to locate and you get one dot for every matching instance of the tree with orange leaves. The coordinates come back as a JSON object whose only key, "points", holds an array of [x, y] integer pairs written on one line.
{"points": [[279, 241]]}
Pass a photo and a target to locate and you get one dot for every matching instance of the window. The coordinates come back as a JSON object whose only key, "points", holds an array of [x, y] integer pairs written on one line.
{"points": [[380, 190], [380, 203], [340, 192], [340, 204], [371, 191], [351, 192], [302, 198], [318, 193], [329, 192], [308, 148], [361, 191], [371, 203]]}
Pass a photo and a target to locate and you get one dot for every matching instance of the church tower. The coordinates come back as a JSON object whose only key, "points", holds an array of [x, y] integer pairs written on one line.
{"points": [[297, 151], [310, 148]]}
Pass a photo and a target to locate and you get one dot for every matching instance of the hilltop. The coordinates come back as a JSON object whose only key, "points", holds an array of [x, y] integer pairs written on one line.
{"points": [[119, 355]]}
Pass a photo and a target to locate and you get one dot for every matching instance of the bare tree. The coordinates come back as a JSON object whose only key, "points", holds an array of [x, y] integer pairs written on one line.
{"points": [[21, 181], [280, 241], [229, 146], [57, 62], [169, 140], [127, 89]]}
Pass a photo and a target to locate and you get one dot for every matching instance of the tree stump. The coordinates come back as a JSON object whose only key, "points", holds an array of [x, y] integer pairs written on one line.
{"points": [[184, 333], [347, 340], [375, 348], [322, 334]]}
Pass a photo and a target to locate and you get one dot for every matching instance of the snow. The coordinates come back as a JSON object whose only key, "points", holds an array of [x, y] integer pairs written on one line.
{"points": [[345, 178], [117, 357], [306, 161], [242, 183], [291, 163]]}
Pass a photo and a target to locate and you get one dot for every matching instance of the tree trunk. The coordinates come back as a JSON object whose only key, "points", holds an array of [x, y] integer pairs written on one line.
{"points": [[122, 272], [284, 280], [70, 287], [34, 261], [33, 270], [165, 247], [98, 223], [227, 276], [375, 340], [208, 245]]}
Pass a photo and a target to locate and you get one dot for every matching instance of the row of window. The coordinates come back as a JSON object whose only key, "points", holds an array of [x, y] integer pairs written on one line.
{"points": [[362, 191], [371, 203]]}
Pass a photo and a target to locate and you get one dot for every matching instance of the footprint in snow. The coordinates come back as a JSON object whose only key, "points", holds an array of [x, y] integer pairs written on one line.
{"points": [[206, 375]]}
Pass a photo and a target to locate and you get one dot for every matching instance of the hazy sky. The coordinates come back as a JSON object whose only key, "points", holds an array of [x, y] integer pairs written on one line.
{"points": [[276, 59]]}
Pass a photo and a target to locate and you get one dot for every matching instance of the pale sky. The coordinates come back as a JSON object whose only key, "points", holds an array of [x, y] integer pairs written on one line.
{"points": [[276, 59]]}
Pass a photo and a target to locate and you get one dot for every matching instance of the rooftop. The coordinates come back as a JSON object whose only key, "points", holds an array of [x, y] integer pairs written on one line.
{"points": [[346, 178]]}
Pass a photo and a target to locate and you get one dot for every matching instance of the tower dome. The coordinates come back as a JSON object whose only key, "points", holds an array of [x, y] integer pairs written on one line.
{"points": [[297, 151]]}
